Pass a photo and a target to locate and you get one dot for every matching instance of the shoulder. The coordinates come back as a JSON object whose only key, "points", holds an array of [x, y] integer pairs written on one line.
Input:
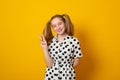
{"points": [[73, 39], [53, 41], [54, 38]]}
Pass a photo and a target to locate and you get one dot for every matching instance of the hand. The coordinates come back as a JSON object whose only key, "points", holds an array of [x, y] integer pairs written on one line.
{"points": [[43, 42]]}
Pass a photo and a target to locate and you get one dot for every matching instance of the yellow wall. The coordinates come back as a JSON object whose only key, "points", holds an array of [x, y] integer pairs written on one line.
{"points": [[96, 26]]}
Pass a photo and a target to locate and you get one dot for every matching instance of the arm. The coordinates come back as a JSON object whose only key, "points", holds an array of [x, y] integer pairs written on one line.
{"points": [[48, 59], [76, 62], [77, 52]]}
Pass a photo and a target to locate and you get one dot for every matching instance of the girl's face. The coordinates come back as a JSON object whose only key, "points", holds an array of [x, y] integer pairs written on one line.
{"points": [[58, 26]]}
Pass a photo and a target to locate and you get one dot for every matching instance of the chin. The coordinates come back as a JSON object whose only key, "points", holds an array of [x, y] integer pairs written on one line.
{"points": [[60, 33]]}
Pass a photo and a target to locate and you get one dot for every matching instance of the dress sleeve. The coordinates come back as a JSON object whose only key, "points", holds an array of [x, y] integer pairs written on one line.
{"points": [[76, 48]]}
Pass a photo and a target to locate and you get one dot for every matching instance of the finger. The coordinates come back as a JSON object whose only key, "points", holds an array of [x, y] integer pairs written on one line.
{"points": [[43, 42], [43, 38]]}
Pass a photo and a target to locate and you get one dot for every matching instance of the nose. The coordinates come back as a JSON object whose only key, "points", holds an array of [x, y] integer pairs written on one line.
{"points": [[57, 27]]}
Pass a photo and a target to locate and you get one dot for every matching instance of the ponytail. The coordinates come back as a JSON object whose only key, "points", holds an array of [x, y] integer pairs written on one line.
{"points": [[47, 33], [69, 25]]}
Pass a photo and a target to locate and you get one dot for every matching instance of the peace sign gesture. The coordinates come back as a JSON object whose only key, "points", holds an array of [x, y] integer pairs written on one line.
{"points": [[43, 42]]}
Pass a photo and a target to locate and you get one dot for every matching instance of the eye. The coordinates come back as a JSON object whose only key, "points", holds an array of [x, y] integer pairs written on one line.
{"points": [[59, 23], [54, 26]]}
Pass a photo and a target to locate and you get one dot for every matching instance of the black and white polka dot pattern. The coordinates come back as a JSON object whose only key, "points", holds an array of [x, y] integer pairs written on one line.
{"points": [[63, 53]]}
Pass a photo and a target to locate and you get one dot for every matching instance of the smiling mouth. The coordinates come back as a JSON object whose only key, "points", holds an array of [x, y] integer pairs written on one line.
{"points": [[59, 30]]}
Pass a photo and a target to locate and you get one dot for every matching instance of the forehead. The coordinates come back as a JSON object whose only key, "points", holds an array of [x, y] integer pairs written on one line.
{"points": [[56, 20]]}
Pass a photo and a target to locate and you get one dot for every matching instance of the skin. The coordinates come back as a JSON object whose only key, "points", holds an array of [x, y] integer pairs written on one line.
{"points": [[59, 27], [48, 59]]}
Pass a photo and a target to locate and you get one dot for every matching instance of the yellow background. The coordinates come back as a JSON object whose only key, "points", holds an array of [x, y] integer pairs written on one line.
{"points": [[96, 26]]}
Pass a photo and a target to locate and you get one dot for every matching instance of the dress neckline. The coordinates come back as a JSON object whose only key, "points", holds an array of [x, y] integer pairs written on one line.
{"points": [[56, 37]]}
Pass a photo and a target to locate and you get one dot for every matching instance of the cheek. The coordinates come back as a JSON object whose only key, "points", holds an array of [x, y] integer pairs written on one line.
{"points": [[54, 29], [62, 26]]}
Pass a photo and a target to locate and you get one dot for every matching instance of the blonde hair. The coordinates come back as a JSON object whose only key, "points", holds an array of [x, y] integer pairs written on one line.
{"points": [[69, 29]]}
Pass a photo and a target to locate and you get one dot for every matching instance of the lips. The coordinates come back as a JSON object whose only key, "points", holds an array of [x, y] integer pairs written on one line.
{"points": [[60, 30]]}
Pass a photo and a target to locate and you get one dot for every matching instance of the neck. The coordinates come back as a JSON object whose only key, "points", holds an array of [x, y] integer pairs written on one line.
{"points": [[61, 37]]}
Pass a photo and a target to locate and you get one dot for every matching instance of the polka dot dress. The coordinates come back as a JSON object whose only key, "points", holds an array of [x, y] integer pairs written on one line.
{"points": [[63, 54]]}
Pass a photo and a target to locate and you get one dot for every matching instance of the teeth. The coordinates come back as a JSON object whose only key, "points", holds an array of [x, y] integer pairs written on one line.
{"points": [[59, 30]]}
